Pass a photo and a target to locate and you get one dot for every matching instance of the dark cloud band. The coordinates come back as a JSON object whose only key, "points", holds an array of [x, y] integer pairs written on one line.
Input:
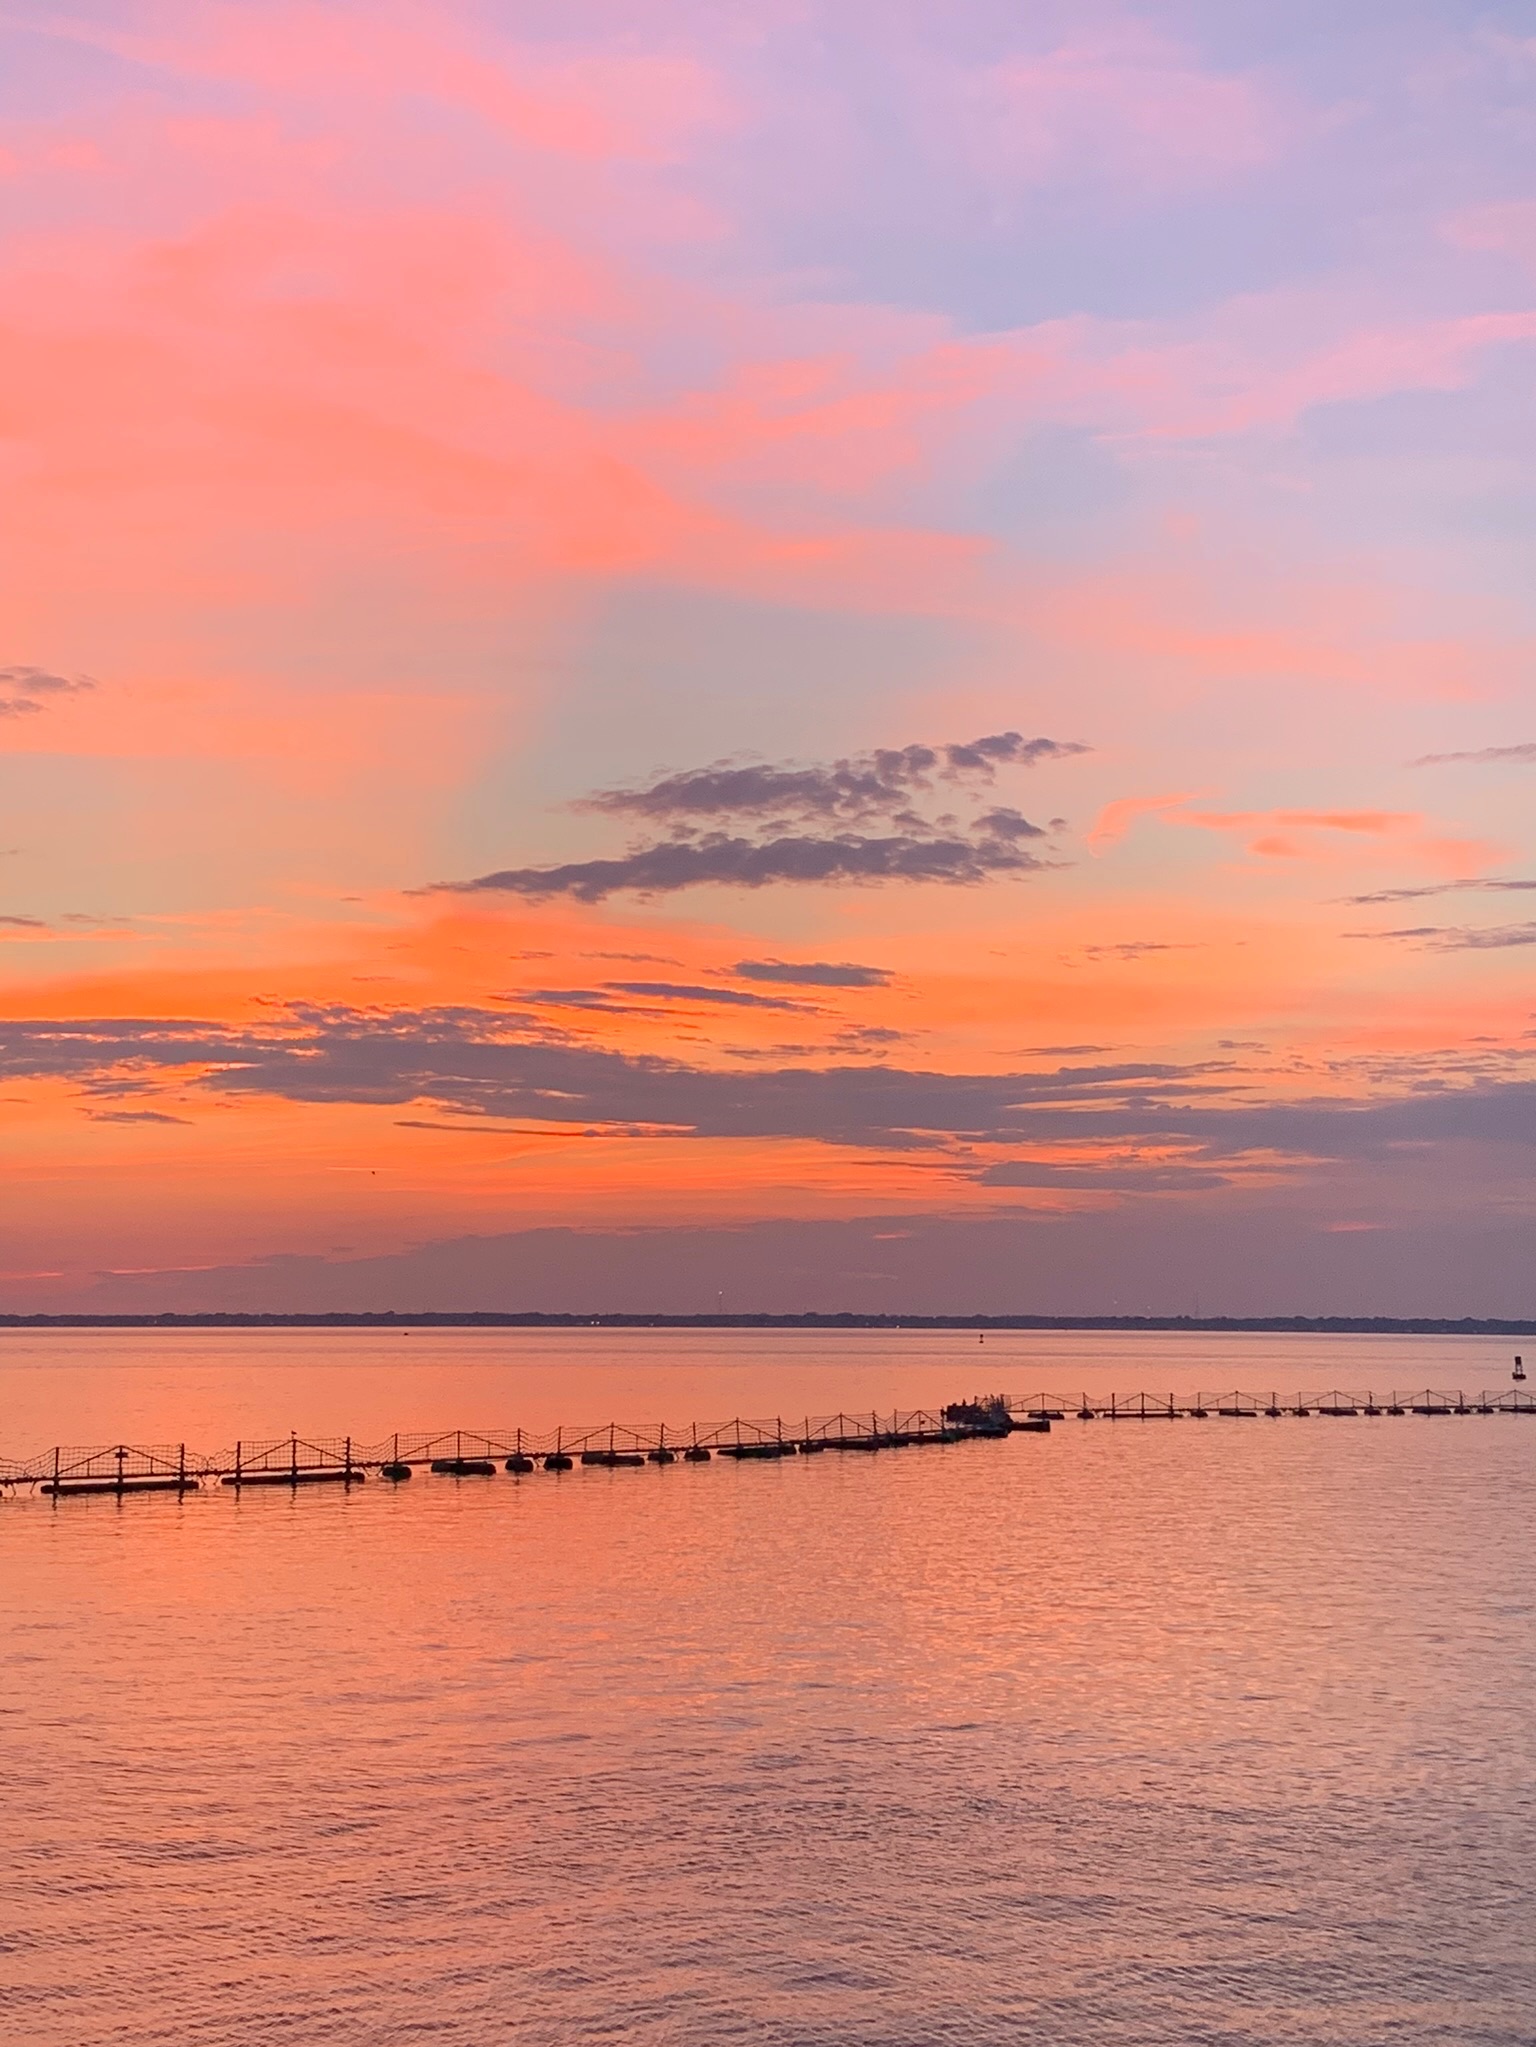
{"points": [[865, 785], [482, 1063], [748, 863], [759, 825]]}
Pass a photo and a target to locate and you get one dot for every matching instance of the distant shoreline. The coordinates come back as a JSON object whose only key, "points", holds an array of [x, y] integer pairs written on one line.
{"points": [[1282, 1325]]}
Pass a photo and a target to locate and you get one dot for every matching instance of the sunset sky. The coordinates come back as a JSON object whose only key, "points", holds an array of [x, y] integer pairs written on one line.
{"points": [[777, 653]]}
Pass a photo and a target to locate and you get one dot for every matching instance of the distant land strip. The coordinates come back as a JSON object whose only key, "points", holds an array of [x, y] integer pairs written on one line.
{"points": [[1295, 1325]]}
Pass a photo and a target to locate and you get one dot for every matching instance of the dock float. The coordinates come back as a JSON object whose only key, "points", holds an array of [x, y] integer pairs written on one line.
{"points": [[66, 1488], [303, 1476]]}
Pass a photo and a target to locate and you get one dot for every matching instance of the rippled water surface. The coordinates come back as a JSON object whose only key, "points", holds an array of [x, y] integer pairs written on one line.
{"points": [[1170, 1734]]}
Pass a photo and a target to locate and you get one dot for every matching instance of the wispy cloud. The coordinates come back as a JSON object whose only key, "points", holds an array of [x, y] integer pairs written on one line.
{"points": [[607, 997], [1117, 1176], [1458, 937], [1131, 949], [812, 973], [1440, 888], [1481, 755], [685, 991], [135, 1116]]}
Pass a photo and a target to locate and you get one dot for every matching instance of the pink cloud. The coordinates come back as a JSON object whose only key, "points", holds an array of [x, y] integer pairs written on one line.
{"points": [[1127, 107], [1239, 392], [1373, 822], [905, 397], [1508, 228], [1302, 834], [1117, 818], [578, 102]]}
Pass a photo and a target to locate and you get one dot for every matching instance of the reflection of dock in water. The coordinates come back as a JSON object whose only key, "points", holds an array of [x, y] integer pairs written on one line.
{"points": [[294, 1460]]}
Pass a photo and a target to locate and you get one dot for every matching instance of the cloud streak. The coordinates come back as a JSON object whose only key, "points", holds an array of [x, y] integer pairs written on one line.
{"points": [[655, 991], [1440, 888], [724, 862], [1458, 937], [812, 973], [1482, 756], [25, 690]]}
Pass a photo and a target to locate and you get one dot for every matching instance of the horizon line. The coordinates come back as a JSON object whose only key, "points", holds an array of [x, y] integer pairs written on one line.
{"points": [[492, 1318]]}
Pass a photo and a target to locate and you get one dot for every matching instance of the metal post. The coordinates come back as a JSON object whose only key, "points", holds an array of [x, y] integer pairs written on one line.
{"points": [[181, 1468], [293, 1457], [120, 1453], [237, 1464], [347, 1478]]}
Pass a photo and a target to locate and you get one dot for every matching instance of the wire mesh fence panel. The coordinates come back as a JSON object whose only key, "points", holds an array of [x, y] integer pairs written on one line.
{"points": [[112, 1460]]}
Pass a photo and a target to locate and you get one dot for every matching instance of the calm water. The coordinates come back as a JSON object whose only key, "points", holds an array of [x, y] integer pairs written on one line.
{"points": [[1192, 1733]]}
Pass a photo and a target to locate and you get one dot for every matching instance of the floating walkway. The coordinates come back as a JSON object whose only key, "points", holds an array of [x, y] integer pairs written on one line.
{"points": [[296, 1460], [293, 1460], [1332, 1405]]}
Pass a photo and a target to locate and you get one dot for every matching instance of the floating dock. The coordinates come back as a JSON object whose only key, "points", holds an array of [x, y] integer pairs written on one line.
{"points": [[294, 1460]]}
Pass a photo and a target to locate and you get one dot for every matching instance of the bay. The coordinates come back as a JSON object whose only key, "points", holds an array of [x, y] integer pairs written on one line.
{"points": [[1190, 1733]]}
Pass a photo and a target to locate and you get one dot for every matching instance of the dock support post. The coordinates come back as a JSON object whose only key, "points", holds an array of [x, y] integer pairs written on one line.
{"points": [[181, 1468], [293, 1457], [347, 1467], [120, 1453]]}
